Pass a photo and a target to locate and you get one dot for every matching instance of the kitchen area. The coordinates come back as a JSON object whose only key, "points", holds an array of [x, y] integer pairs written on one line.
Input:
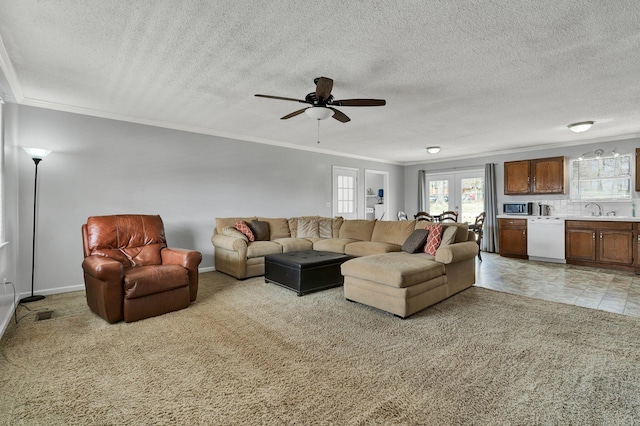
{"points": [[603, 234]]}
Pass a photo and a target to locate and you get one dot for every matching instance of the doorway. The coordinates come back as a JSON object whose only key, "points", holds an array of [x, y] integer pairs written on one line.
{"points": [[462, 192], [376, 185]]}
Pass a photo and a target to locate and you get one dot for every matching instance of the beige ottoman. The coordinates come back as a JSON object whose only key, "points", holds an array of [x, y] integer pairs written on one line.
{"points": [[399, 283]]}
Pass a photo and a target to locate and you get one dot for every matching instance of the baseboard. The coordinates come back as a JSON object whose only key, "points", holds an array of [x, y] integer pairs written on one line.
{"points": [[8, 317], [207, 269]]}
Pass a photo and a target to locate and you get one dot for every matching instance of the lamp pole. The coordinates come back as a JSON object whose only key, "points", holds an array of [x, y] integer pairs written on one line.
{"points": [[37, 155]]}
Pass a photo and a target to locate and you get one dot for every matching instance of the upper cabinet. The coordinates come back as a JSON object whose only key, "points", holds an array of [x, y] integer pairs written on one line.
{"points": [[538, 176]]}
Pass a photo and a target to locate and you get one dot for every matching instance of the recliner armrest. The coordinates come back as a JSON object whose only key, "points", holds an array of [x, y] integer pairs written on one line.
{"points": [[103, 268], [189, 259]]}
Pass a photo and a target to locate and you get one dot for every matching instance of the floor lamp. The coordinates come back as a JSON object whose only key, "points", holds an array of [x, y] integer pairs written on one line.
{"points": [[36, 154]]}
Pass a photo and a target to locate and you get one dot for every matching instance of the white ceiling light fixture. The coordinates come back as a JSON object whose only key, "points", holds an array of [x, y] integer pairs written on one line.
{"points": [[319, 113], [433, 149], [580, 127]]}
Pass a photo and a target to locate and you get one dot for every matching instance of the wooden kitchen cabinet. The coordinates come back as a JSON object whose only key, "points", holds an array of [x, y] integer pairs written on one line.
{"points": [[537, 176], [512, 237], [601, 243]]}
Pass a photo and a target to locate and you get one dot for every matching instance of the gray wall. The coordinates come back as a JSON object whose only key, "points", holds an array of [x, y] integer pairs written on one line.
{"points": [[101, 167]]}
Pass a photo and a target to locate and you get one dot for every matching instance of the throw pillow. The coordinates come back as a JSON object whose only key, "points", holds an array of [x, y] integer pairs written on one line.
{"points": [[230, 231], [244, 228], [308, 228], [449, 235], [260, 230], [434, 238], [416, 241]]}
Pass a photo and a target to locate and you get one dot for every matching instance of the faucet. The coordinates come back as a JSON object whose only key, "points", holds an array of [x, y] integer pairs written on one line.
{"points": [[597, 205]]}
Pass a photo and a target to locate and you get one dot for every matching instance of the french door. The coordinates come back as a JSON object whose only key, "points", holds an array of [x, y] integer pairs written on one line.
{"points": [[462, 192]]}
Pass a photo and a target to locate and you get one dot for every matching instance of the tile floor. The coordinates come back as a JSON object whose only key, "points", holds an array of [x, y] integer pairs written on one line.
{"points": [[604, 289]]}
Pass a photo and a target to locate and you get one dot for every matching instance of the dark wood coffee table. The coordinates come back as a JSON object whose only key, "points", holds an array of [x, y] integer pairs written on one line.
{"points": [[305, 271]]}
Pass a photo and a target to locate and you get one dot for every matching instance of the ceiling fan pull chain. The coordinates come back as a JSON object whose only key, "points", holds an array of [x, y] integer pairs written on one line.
{"points": [[318, 131]]}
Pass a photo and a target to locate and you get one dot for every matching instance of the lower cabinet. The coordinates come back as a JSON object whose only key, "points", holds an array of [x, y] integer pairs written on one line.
{"points": [[602, 244], [513, 237]]}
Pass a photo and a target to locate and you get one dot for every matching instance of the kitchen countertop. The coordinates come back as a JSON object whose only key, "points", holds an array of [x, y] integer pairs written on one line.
{"points": [[569, 217]]}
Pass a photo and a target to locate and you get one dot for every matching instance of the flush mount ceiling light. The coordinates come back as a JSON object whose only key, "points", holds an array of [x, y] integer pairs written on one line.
{"points": [[319, 113], [583, 126], [433, 149]]}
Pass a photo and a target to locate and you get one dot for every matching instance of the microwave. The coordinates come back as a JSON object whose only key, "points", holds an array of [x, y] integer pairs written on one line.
{"points": [[518, 208]]}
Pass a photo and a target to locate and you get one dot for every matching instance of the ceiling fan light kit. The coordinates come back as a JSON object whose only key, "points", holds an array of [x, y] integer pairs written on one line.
{"points": [[319, 113], [580, 127], [433, 149]]}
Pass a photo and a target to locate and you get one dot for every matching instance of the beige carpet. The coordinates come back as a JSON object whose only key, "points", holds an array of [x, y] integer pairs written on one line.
{"points": [[253, 353]]}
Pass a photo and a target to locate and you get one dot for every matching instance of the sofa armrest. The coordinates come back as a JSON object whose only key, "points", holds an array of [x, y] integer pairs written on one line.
{"points": [[189, 259], [457, 252], [228, 243], [103, 268]]}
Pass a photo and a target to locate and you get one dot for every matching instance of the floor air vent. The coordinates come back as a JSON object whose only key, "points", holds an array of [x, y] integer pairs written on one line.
{"points": [[43, 315]]}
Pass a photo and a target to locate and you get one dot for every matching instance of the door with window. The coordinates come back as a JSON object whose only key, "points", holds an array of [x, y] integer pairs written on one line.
{"points": [[462, 192], [345, 191]]}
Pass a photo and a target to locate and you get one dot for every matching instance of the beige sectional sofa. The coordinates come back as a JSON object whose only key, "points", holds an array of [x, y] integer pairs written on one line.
{"points": [[380, 275]]}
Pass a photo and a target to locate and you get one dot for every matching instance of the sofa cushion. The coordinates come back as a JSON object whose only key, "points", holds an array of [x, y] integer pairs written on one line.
{"points": [[463, 230], [260, 230], [325, 227], [394, 269], [367, 248], [263, 248], [294, 244], [357, 229], [395, 232], [231, 231], [334, 245], [308, 228], [278, 227], [448, 235], [434, 238], [337, 224], [416, 241], [244, 228]]}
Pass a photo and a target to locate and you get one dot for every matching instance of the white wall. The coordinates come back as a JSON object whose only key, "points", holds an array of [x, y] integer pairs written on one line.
{"points": [[571, 152], [101, 167]]}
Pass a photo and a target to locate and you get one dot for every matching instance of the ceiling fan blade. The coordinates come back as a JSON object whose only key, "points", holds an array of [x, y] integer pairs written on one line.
{"points": [[323, 88], [359, 102], [282, 98], [293, 114], [340, 116]]}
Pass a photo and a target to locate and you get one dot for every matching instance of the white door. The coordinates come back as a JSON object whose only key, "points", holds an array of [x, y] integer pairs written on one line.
{"points": [[345, 192]]}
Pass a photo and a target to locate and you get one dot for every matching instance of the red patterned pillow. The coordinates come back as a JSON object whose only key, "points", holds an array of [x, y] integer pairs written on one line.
{"points": [[434, 239], [244, 228]]}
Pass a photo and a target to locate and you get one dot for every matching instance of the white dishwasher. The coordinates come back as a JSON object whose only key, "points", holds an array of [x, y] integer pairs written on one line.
{"points": [[545, 239]]}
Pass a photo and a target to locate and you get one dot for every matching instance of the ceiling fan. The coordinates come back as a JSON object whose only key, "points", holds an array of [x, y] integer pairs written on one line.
{"points": [[322, 102]]}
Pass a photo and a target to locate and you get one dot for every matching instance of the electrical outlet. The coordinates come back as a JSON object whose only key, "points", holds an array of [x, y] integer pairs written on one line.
{"points": [[4, 281]]}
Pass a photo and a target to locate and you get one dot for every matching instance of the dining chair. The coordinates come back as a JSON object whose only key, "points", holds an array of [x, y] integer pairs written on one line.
{"points": [[423, 216], [477, 229], [449, 216]]}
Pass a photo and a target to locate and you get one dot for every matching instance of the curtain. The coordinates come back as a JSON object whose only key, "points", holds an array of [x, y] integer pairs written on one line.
{"points": [[422, 191], [490, 229]]}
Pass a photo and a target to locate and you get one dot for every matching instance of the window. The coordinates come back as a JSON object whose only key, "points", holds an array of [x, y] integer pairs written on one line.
{"points": [[345, 184], [601, 178], [460, 191]]}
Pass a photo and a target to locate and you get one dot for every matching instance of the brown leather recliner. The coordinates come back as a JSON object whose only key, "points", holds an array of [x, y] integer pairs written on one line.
{"points": [[130, 274]]}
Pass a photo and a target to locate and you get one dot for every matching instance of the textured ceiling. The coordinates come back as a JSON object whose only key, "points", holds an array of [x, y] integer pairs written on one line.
{"points": [[471, 76]]}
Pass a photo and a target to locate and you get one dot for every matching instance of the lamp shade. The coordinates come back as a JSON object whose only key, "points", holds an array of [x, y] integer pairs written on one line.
{"points": [[583, 126], [319, 113], [37, 153]]}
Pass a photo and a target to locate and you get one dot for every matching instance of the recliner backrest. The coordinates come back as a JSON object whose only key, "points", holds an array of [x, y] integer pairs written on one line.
{"points": [[133, 240]]}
